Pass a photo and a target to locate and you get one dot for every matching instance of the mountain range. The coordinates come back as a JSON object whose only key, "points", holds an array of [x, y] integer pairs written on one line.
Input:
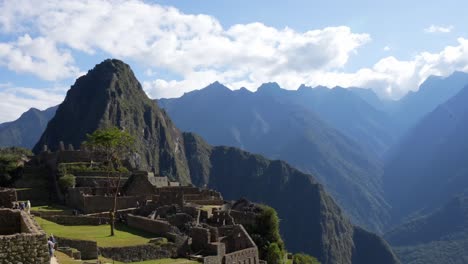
{"points": [[110, 95], [395, 165], [280, 125]]}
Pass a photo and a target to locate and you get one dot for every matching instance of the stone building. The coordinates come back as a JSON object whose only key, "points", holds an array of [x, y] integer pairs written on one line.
{"points": [[21, 239]]}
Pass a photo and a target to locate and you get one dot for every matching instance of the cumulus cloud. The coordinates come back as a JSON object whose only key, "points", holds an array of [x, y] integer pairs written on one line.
{"points": [[438, 29], [197, 50], [17, 100], [190, 46], [38, 56]]}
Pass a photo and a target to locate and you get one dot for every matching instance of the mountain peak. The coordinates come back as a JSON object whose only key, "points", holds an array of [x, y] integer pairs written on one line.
{"points": [[269, 86], [217, 86]]}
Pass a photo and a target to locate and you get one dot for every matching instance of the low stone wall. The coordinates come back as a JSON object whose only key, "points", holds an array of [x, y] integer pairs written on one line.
{"points": [[71, 220], [139, 253], [88, 249], [157, 227], [97, 203], [206, 202], [29, 246]]}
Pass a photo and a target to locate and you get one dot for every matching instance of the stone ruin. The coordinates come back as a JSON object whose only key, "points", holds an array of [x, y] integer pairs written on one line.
{"points": [[156, 205], [21, 239], [7, 197]]}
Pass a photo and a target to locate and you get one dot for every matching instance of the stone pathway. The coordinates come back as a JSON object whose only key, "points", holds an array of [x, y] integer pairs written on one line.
{"points": [[53, 260]]}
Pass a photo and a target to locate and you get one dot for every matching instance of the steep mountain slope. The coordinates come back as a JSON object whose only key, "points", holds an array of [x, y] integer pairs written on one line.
{"points": [[311, 221], [432, 92], [279, 129], [429, 165], [441, 237], [110, 94], [26, 130]]}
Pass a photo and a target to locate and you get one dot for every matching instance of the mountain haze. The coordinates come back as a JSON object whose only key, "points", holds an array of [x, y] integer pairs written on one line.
{"points": [[429, 165], [26, 130], [440, 237], [264, 123]]}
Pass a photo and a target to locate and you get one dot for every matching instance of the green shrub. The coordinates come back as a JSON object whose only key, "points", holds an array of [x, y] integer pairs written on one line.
{"points": [[67, 181], [274, 254], [302, 258]]}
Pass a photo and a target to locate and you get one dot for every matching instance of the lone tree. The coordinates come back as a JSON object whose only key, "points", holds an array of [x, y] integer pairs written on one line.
{"points": [[113, 145]]}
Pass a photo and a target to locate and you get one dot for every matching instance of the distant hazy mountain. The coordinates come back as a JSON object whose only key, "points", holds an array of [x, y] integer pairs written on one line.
{"points": [[344, 110], [439, 238], [432, 92], [429, 165], [269, 123], [110, 95], [26, 130]]}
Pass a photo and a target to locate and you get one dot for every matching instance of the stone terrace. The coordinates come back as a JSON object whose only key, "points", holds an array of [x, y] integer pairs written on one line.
{"points": [[21, 239]]}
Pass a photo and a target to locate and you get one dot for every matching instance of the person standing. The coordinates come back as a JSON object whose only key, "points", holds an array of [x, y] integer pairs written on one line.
{"points": [[28, 207], [50, 245]]}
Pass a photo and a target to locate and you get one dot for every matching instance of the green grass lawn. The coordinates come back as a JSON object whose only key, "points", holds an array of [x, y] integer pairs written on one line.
{"points": [[124, 235]]}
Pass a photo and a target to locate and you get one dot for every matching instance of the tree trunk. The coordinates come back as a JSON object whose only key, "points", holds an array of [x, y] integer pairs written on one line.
{"points": [[112, 221], [114, 206]]}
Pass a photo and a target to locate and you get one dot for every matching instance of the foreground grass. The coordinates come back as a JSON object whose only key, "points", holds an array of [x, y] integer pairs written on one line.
{"points": [[124, 235]]}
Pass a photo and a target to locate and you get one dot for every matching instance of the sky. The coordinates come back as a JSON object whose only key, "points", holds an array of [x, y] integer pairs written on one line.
{"points": [[175, 46]]}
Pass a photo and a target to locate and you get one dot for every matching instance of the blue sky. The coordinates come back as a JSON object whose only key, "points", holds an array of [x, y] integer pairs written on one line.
{"points": [[175, 46]]}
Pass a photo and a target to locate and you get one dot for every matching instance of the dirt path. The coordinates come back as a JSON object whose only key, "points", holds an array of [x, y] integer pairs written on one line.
{"points": [[53, 260]]}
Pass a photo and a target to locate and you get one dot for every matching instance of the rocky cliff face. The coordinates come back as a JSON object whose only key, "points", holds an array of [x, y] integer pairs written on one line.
{"points": [[310, 220], [110, 95]]}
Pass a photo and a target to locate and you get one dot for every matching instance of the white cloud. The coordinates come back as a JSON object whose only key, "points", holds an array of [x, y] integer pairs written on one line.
{"points": [[438, 29], [38, 56], [189, 46], [198, 50], [17, 100]]}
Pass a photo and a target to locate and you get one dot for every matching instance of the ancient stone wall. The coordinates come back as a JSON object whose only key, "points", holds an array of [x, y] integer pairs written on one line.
{"points": [[29, 246], [236, 238], [249, 255], [157, 227], [139, 253], [99, 203], [244, 218], [200, 238], [7, 197], [88, 249], [72, 220], [10, 222], [221, 218], [206, 202]]}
